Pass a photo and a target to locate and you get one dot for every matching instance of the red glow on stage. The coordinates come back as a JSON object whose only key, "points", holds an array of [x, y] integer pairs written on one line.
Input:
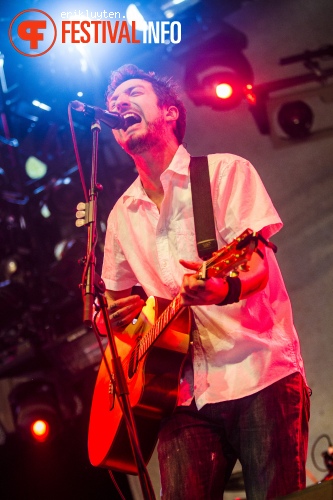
{"points": [[224, 90], [40, 430], [249, 94]]}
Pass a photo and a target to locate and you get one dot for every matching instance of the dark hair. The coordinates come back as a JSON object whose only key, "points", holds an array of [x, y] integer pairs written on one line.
{"points": [[166, 91]]}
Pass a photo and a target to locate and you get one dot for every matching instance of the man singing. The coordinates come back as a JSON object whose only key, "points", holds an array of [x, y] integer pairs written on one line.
{"points": [[243, 392]]}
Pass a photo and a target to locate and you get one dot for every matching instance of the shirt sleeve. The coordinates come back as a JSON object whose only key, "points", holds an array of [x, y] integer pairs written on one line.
{"points": [[117, 274], [242, 201]]}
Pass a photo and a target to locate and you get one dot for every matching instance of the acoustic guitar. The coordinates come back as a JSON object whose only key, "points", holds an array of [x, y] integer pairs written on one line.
{"points": [[152, 352]]}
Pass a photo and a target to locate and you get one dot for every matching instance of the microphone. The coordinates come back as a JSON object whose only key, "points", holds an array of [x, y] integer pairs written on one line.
{"points": [[112, 120]]}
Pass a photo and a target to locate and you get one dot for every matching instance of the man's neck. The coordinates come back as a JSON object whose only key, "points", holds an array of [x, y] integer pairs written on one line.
{"points": [[151, 165]]}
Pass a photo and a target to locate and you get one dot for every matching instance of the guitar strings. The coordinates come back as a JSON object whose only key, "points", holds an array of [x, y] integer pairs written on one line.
{"points": [[145, 341]]}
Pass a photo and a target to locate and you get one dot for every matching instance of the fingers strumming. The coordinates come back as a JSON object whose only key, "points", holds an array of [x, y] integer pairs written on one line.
{"points": [[123, 311]]}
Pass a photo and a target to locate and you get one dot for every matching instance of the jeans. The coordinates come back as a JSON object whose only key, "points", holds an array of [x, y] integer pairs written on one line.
{"points": [[267, 432]]}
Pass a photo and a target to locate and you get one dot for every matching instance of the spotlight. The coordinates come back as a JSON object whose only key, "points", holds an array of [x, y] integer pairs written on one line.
{"points": [[35, 168], [134, 14], [144, 12], [220, 80], [40, 430], [172, 8], [41, 105], [224, 90], [296, 119], [36, 410]]}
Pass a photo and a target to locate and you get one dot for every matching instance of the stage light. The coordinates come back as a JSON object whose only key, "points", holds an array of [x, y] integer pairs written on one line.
{"points": [[36, 410], [41, 105], [35, 168], [175, 7], [296, 119], [303, 115], [219, 80], [45, 211], [83, 65], [40, 430], [224, 90], [144, 12], [38, 421], [133, 14], [8, 267]]}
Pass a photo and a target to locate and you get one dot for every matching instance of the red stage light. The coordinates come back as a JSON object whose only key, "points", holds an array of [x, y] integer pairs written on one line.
{"points": [[40, 430], [250, 94], [218, 79], [224, 90], [36, 410]]}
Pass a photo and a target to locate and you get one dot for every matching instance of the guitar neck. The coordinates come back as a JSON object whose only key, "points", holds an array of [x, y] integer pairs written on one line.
{"points": [[162, 322]]}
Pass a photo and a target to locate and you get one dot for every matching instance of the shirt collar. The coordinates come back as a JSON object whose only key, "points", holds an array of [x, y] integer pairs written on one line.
{"points": [[179, 164]]}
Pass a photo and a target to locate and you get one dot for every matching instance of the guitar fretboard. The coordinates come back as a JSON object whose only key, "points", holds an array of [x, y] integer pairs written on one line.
{"points": [[162, 322]]}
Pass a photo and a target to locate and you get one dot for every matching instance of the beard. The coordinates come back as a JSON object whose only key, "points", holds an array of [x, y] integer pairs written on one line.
{"points": [[138, 144]]}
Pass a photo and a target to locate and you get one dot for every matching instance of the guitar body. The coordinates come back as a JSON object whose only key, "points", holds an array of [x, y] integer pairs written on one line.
{"points": [[153, 389], [152, 354]]}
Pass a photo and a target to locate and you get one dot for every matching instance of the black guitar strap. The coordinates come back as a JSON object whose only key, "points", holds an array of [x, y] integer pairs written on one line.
{"points": [[202, 207]]}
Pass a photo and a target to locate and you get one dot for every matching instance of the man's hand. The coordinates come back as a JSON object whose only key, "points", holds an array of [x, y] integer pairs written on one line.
{"points": [[196, 291], [122, 311]]}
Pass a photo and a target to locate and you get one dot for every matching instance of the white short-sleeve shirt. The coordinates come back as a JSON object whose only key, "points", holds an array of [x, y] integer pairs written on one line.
{"points": [[237, 349]]}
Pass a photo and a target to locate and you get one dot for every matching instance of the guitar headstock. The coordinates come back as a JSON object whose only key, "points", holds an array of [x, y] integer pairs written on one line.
{"points": [[233, 256]]}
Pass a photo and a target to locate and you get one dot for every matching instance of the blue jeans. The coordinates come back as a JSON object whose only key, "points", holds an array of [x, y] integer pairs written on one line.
{"points": [[267, 432]]}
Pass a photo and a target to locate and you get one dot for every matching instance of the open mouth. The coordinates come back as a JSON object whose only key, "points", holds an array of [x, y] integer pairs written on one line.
{"points": [[130, 119]]}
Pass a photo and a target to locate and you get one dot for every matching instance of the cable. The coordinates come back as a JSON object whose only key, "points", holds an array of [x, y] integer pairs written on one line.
{"points": [[313, 450], [116, 484], [76, 150]]}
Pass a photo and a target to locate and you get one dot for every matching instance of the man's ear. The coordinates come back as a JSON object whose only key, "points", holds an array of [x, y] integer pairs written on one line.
{"points": [[171, 113]]}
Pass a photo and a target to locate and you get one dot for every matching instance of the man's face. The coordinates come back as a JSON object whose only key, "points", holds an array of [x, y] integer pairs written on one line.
{"points": [[136, 100]]}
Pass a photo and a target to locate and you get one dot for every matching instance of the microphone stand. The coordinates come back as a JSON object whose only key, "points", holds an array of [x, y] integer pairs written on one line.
{"points": [[94, 288], [88, 280]]}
